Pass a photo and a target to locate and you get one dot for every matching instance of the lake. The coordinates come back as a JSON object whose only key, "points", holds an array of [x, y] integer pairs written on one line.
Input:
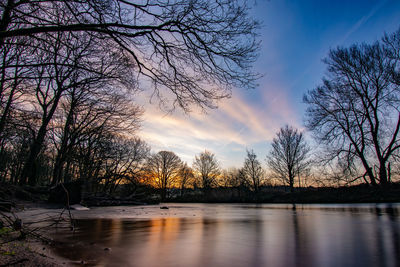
{"points": [[235, 235]]}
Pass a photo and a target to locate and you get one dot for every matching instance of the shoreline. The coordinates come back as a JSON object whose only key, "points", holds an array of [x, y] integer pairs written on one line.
{"points": [[30, 250], [29, 253]]}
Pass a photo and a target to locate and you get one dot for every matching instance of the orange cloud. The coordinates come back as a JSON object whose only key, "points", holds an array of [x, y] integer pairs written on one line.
{"points": [[238, 122]]}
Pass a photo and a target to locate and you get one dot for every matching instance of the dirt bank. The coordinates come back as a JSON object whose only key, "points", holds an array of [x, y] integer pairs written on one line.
{"points": [[28, 252]]}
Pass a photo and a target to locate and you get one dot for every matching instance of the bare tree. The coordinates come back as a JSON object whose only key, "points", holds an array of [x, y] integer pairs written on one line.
{"points": [[12, 76], [124, 162], [164, 168], [98, 139], [253, 170], [236, 180], [86, 106], [177, 45], [63, 61], [226, 178], [289, 155], [355, 112], [186, 177], [207, 169]]}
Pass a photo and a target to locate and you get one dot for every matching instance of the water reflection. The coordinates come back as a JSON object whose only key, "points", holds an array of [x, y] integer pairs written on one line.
{"points": [[236, 235]]}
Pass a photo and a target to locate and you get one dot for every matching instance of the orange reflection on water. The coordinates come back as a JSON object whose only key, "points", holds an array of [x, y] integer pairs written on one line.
{"points": [[242, 235]]}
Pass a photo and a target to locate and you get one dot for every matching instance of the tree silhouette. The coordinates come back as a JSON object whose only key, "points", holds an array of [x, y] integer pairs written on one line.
{"points": [[289, 155], [207, 169], [355, 112], [180, 46], [253, 170], [164, 168], [186, 177]]}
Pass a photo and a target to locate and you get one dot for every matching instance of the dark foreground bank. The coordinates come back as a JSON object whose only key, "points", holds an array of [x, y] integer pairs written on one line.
{"points": [[57, 197], [349, 194], [28, 252]]}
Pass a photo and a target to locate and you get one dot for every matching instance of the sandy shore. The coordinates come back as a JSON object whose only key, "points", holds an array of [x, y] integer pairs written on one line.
{"points": [[29, 253]]}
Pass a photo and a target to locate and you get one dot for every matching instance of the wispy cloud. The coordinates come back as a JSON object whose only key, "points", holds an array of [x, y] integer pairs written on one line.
{"points": [[362, 21], [237, 124]]}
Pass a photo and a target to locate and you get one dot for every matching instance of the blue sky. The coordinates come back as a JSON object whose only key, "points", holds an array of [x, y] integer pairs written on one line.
{"points": [[296, 36]]}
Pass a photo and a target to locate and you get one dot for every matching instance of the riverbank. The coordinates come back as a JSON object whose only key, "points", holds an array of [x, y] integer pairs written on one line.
{"points": [[26, 234], [266, 194], [28, 253], [305, 195]]}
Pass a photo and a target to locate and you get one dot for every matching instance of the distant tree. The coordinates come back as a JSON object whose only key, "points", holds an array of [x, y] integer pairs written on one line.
{"points": [[177, 45], [289, 155], [207, 169], [355, 112], [186, 177], [253, 170], [227, 178], [124, 162], [235, 179], [164, 168]]}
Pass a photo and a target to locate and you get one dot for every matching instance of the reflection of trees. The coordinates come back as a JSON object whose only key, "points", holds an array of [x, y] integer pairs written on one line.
{"points": [[387, 238], [296, 236], [301, 252]]}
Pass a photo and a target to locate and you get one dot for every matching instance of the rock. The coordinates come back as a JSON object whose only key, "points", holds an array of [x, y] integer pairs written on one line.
{"points": [[164, 208]]}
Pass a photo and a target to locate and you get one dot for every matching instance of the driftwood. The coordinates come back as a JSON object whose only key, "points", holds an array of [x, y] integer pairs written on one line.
{"points": [[36, 229]]}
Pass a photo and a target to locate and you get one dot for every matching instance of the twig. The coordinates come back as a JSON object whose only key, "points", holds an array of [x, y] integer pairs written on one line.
{"points": [[68, 207]]}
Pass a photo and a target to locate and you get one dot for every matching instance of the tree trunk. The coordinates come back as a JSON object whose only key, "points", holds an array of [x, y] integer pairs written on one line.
{"points": [[6, 111], [67, 172], [383, 177], [368, 170], [6, 19], [291, 180], [29, 171], [163, 193], [62, 152]]}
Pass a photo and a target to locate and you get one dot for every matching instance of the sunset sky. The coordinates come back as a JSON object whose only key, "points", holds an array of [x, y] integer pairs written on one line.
{"points": [[295, 37]]}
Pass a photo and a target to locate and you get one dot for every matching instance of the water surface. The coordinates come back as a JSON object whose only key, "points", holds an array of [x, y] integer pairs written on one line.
{"points": [[236, 235]]}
